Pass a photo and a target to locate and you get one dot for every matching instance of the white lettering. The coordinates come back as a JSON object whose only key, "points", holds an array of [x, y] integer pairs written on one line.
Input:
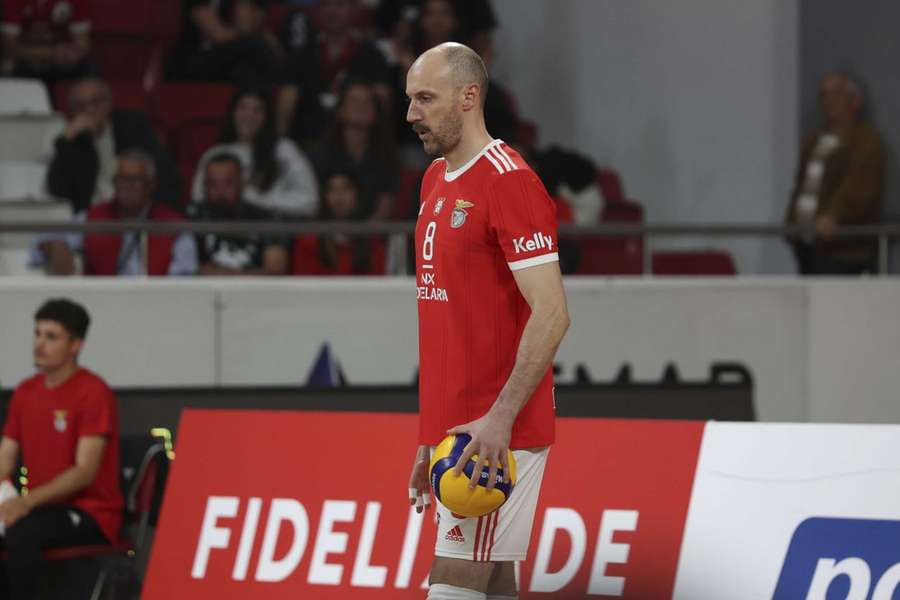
{"points": [[408, 553], [330, 541], [248, 534], [431, 293], [887, 584], [428, 278], [571, 522], [364, 573], [537, 242], [608, 552], [282, 509], [827, 571], [211, 536]]}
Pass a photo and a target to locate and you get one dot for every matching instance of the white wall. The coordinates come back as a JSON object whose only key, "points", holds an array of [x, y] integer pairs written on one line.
{"points": [[694, 102], [819, 350]]}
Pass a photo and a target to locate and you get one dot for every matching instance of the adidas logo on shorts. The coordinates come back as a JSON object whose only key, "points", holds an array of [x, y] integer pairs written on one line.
{"points": [[455, 535]]}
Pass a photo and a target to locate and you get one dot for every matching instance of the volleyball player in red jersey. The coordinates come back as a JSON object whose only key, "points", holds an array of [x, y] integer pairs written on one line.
{"points": [[492, 312]]}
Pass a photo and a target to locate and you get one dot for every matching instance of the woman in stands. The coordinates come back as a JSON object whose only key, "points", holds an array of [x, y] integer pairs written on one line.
{"points": [[279, 177], [339, 254], [359, 140]]}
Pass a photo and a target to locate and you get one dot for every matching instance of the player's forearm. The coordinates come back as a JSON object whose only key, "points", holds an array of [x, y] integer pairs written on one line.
{"points": [[541, 337], [66, 484], [7, 468]]}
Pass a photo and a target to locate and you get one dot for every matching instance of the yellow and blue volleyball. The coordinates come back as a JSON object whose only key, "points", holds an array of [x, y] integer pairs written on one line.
{"points": [[454, 493]]}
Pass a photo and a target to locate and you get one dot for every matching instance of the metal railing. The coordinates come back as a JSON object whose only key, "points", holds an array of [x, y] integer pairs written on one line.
{"points": [[648, 232]]}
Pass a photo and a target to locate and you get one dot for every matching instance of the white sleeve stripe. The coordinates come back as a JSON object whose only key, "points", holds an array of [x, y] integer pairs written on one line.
{"points": [[493, 162], [500, 157], [533, 261], [503, 152]]}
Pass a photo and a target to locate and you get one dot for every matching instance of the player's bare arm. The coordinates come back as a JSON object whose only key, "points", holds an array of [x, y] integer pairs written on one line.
{"points": [[88, 456], [542, 288], [9, 454]]}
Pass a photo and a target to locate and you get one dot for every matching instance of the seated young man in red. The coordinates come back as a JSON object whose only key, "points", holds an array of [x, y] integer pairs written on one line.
{"points": [[64, 424]]}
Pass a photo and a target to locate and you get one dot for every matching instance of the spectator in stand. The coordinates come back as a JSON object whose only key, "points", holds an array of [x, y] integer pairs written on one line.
{"points": [[63, 424], [227, 41], [439, 21], [233, 254], [360, 140], [340, 254], [317, 71], [280, 179], [46, 39], [84, 155], [126, 254], [840, 181]]}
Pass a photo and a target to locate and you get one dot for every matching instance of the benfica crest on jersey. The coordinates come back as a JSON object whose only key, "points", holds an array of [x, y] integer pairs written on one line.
{"points": [[458, 218], [59, 420]]}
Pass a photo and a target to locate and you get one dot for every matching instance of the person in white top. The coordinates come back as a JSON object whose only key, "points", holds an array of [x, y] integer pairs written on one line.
{"points": [[280, 179]]}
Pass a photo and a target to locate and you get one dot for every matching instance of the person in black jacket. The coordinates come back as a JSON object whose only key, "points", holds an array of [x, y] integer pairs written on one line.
{"points": [[84, 156]]}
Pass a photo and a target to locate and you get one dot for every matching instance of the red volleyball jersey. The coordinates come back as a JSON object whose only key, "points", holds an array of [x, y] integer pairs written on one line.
{"points": [[48, 422], [476, 226]]}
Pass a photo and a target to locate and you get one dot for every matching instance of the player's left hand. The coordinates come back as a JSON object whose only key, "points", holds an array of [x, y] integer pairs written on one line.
{"points": [[490, 441], [12, 510]]}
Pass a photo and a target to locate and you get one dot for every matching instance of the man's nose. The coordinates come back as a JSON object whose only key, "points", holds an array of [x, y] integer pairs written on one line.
{"points": [[412, 114]]}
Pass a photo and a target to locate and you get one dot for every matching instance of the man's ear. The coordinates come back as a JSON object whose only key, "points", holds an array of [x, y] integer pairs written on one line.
{"points": [[76, 345], [471, 96]]}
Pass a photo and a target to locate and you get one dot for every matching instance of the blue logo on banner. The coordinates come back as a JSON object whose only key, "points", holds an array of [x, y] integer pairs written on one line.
{"points": [[842, 559]]}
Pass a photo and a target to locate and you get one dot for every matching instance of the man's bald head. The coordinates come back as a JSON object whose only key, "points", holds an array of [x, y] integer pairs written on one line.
{"points": [[465, 67]]}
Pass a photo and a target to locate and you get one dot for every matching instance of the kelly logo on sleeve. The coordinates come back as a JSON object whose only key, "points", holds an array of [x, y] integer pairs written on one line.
{"points": [[537, 241]]}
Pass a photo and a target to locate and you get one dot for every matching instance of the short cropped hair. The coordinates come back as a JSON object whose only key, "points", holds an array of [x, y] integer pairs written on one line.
{"points": [[140, 155], [226, 157], [71, 315], [467, 67]]}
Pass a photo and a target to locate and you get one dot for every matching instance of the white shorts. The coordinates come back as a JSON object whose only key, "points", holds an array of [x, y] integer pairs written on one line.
{"points": [[502, 535]]}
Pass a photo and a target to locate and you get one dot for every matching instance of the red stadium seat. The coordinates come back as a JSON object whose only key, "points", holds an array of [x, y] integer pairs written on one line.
{"points": [[611, 185], [702, 262], [194, 138], [278, 13], [129, 96], [157, 19], [126, 58], [614, 255], [175, 105]]}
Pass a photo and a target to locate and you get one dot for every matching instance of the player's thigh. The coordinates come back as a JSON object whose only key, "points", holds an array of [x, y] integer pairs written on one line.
{"points": [[503, 580], [462, 573]]}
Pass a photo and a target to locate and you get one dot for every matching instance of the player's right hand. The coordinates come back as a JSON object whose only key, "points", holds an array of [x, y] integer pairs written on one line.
{"points": [[419, 488]]}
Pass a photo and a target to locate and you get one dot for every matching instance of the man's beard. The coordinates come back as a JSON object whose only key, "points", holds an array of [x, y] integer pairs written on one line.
{"points": [[443, 139]]}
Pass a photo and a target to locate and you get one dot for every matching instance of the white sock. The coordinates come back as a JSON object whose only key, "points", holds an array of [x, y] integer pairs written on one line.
{"points": [[442, 591]]}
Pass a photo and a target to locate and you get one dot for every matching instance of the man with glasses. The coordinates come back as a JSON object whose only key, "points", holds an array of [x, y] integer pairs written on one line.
{"points": [[128, 254], [84, 154]]}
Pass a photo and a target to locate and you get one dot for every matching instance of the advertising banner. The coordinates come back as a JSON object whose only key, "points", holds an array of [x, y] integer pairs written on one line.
{"points": [[288, 505]]}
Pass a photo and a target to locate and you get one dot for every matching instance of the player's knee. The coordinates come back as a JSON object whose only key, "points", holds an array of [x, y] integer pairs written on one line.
{"points": [[443, 591], [461, 573]]}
